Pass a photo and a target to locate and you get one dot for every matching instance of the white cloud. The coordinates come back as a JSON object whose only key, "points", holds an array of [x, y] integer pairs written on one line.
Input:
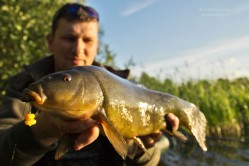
{"points": [[137, 7], [240, 10], [218, 59]]}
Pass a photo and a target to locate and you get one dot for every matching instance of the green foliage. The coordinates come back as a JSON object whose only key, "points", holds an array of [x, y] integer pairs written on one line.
{"points": [[130, 63], [106, 56], [24, 25], [225, 103]]}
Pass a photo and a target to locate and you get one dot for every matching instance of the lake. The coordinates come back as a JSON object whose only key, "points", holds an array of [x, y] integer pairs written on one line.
{"points": [[221, 152]]}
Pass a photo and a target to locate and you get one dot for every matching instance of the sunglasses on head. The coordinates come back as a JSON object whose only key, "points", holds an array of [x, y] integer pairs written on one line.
{"points": [[78, 9]]}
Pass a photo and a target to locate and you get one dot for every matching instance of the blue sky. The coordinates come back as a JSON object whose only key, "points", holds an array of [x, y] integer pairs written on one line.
{"points": [[178, 39]]}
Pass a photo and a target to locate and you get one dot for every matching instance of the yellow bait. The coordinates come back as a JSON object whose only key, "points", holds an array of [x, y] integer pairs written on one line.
{"points": [[30, 119]]}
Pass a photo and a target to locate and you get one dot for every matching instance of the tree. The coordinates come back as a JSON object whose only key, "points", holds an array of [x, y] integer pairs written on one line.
{"points": [[105, 55], [24, 25]]}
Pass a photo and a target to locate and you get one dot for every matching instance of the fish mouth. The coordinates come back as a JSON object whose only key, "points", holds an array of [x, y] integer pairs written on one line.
{"points": [[36, 95]]}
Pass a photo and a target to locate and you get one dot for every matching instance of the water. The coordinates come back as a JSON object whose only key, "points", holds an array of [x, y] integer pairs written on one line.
{"points": [[221, 152]]}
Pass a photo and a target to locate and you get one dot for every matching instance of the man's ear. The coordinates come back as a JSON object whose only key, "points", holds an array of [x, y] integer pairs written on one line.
{"points": [[50, 39], [97, 46]]}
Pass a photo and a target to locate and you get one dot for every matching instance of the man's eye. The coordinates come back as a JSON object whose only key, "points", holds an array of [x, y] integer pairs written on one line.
{"points": [[87, 40], [69, 38]]}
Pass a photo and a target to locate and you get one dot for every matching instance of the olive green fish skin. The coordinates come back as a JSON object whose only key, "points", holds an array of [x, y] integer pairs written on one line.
{"points": [[133, 110], [76, 98]]}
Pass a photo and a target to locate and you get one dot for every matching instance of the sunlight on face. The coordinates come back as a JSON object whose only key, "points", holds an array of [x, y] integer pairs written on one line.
{"points": [[74, 44]]}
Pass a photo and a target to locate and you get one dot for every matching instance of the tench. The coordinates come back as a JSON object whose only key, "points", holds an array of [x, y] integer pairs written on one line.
{"points": [[124, 110]]}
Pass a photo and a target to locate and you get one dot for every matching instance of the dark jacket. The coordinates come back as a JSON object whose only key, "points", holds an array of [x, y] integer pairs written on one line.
{"points": [[17, 143]]}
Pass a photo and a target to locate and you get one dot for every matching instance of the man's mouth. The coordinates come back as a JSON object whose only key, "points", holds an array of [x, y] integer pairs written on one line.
{"points": [[76, 61]]}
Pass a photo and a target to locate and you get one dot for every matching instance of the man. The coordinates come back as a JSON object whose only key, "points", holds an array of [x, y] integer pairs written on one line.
{"points": [[73, 42]]}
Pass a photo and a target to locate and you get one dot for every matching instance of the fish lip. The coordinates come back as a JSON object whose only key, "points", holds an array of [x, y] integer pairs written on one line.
{"points": [[31, 95]]}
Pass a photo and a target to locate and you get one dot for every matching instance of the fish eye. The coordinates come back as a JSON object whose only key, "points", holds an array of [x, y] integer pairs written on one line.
{"points": [[67, 78]]}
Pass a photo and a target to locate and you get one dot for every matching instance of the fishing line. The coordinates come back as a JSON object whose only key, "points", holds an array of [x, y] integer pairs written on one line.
{"points": [[15, 145]]}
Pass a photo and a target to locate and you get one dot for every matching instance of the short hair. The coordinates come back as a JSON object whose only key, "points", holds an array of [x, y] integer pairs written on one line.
{"points": [[74, 12]]}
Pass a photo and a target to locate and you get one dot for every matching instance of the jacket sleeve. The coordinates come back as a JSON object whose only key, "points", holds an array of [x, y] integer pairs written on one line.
{"points": [[17, 143]]}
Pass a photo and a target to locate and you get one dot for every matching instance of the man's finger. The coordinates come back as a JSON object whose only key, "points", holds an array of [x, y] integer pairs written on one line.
{"points": [[87, 137], [173, 121]]}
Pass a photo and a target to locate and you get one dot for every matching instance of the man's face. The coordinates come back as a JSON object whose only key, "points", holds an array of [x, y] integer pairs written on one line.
{"points": [[74, 44]]}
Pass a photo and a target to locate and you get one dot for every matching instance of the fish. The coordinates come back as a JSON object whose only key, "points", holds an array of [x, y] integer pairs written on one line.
{"points": [[124, 110]]}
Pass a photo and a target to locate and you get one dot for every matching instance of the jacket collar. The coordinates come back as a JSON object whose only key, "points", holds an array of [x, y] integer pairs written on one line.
{"points": [[41, 67], [45, 66]]}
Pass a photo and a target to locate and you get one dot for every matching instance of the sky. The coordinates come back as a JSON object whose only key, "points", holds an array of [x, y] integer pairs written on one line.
{"points": [[178, 39]]}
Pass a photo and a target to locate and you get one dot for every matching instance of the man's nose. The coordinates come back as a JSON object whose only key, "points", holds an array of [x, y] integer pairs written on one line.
{"points": [[79, 46]]}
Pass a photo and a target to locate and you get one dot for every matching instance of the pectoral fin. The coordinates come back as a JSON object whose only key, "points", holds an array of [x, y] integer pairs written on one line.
{"points": [[133, 144], [113, 135]]}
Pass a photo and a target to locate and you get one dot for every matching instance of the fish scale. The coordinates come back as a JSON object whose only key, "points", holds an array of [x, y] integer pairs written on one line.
{"points": [[124, 109]]}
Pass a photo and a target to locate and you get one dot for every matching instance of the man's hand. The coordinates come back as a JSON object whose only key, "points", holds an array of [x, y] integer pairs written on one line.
{"points": [[172, 121], [150, 140], [87, 137], [49, 129]]}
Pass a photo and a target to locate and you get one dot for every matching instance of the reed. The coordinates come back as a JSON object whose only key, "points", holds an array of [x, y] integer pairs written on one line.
{"points": [[224, 102]]}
